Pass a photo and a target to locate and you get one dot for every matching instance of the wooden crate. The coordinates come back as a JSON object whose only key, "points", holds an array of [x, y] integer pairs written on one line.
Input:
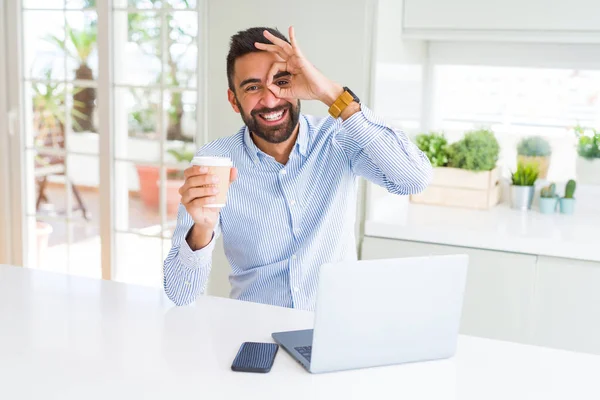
{"points": [[455, 187]]}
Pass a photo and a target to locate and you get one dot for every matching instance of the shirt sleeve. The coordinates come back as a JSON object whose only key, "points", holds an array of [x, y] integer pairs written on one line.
{"points": [[383, 155], [186, 271]]}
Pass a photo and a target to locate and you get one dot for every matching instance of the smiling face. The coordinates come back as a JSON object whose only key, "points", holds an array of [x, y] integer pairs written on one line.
{"points": [[268, 117]]}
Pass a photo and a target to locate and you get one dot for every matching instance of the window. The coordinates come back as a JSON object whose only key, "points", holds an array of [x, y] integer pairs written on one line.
{"points": [[519, 102], [516, 89]]}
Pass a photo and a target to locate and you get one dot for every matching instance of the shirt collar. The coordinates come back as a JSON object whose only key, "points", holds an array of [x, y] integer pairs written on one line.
{"points": [[301, 141]]}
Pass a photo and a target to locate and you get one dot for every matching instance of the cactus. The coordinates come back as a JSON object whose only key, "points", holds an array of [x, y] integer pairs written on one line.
{"points": [[548, 192], [570, 189]]}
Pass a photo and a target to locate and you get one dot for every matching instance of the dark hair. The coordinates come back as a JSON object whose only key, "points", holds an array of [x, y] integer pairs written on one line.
{"points": [[242, 43]]}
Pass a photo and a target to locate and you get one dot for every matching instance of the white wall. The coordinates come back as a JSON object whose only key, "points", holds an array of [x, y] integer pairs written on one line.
{"points": [[334, 35], [401, 68]]}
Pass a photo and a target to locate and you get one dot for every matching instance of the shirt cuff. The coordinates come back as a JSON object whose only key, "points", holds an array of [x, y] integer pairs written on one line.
{"points": [[363, 126], [191, 259]]}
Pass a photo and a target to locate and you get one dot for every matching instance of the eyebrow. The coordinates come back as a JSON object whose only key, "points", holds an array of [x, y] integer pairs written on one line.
{"points": [[256, 80], [250, 80]]}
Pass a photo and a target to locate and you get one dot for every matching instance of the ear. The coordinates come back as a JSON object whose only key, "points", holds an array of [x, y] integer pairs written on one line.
{"points": [[232, 101]]}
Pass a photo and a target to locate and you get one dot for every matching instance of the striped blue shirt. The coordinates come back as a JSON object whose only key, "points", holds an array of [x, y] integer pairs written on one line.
{"points": [[282, 222]]}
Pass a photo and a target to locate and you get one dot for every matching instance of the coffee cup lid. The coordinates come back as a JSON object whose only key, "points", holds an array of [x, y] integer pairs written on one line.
{"points": [[208, 161]]}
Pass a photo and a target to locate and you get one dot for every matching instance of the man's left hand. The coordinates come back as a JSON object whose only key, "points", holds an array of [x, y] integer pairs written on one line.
{"points": [[307, 82]]}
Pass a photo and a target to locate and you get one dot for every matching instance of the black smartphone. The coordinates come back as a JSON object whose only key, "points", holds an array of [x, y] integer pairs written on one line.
{"points": [[255, 357]]}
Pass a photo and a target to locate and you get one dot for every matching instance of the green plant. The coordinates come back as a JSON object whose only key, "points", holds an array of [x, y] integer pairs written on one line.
{"points": [[79, 45], [435, 147], [477, 151], [146, 30], [548, 192], [570, 189], [534, 146], [588, 145], [526, 174], [182, 155], [49, 111]]}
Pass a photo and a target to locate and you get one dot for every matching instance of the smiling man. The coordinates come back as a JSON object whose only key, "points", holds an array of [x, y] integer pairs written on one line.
{"points": [[291, 206]]}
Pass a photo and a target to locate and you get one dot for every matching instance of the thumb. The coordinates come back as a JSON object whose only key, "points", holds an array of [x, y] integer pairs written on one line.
{"points": [[281, 93], [233, 174]]}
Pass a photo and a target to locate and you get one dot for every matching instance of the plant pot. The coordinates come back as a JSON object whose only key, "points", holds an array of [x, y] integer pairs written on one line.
{"points": [[521, 197], [543, 163], [454, 187], [588, 171], [173, 196], [548, 205], [567, 206], [149, 180], [148, 176]]}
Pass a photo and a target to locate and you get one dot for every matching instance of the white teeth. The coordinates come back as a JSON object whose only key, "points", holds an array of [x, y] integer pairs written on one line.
{"points": [[273, 116]]}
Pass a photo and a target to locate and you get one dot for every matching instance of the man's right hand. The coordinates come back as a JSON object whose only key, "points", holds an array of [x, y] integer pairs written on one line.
{"points": [[198, 190]]}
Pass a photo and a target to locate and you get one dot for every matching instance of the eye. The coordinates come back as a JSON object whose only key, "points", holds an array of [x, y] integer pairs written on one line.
{"points": [[282, 82], [251, 88]]}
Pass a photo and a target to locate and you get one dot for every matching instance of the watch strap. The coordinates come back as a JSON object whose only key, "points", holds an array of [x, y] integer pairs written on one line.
{"points": [[340, 104]]}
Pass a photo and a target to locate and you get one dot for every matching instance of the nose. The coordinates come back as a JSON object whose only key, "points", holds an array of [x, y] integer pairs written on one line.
{"points": [[269, 100]]}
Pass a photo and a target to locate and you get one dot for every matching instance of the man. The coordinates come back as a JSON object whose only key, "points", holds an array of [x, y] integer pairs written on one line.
{"points": [[291, 204]]}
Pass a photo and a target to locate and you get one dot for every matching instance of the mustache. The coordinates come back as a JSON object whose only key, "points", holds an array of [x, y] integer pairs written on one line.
{"points": [[254, 113]]}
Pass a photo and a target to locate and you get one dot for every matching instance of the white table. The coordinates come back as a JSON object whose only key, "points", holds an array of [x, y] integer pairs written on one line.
{"points": [[74, 338]]}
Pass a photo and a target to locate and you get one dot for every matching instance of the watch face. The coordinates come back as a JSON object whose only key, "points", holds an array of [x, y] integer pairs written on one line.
{"points": [[356, 99]]}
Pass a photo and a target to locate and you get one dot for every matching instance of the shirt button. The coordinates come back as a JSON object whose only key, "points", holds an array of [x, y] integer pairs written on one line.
{"points": [[293, 202], [365, 125], [283, 172], [293, 257], [296, 289]]}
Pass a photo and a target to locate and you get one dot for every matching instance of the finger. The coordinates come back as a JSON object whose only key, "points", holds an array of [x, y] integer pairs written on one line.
{"points": [[198, 181], [271, 48], [202, 180], [233, 174], [194, 170], [285, 46], [278, 66], [281, 93], [295, 46], [202, 201], [198, 193]]}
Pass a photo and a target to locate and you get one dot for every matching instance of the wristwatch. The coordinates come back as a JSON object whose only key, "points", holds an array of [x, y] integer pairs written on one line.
{"points": [[340, 104]]}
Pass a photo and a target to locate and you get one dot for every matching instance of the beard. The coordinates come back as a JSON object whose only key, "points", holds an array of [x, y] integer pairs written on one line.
{"points": [[276, 133]]}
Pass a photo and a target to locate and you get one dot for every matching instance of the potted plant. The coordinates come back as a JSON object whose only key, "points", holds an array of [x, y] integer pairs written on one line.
{"points": [[435, 147], [522, 189], [535, 149], [548, 199], [175, 178], [79, 46], [567, 203], [588, 149], [477, 151], [465, 172]]}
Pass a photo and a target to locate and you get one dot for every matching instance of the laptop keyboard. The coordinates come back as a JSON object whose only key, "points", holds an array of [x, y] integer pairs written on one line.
{"points": [[305, 351]]}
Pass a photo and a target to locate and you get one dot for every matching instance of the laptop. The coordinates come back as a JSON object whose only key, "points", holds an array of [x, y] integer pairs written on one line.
{"points": [[372, 313]]}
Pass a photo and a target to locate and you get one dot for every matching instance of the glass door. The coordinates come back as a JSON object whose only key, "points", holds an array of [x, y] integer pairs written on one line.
{"points": [[60, 138], [156, 86], [110, 120]]}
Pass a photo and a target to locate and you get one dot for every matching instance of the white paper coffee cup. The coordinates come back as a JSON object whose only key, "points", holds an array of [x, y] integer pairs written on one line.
{"points": [[221, 167]]}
